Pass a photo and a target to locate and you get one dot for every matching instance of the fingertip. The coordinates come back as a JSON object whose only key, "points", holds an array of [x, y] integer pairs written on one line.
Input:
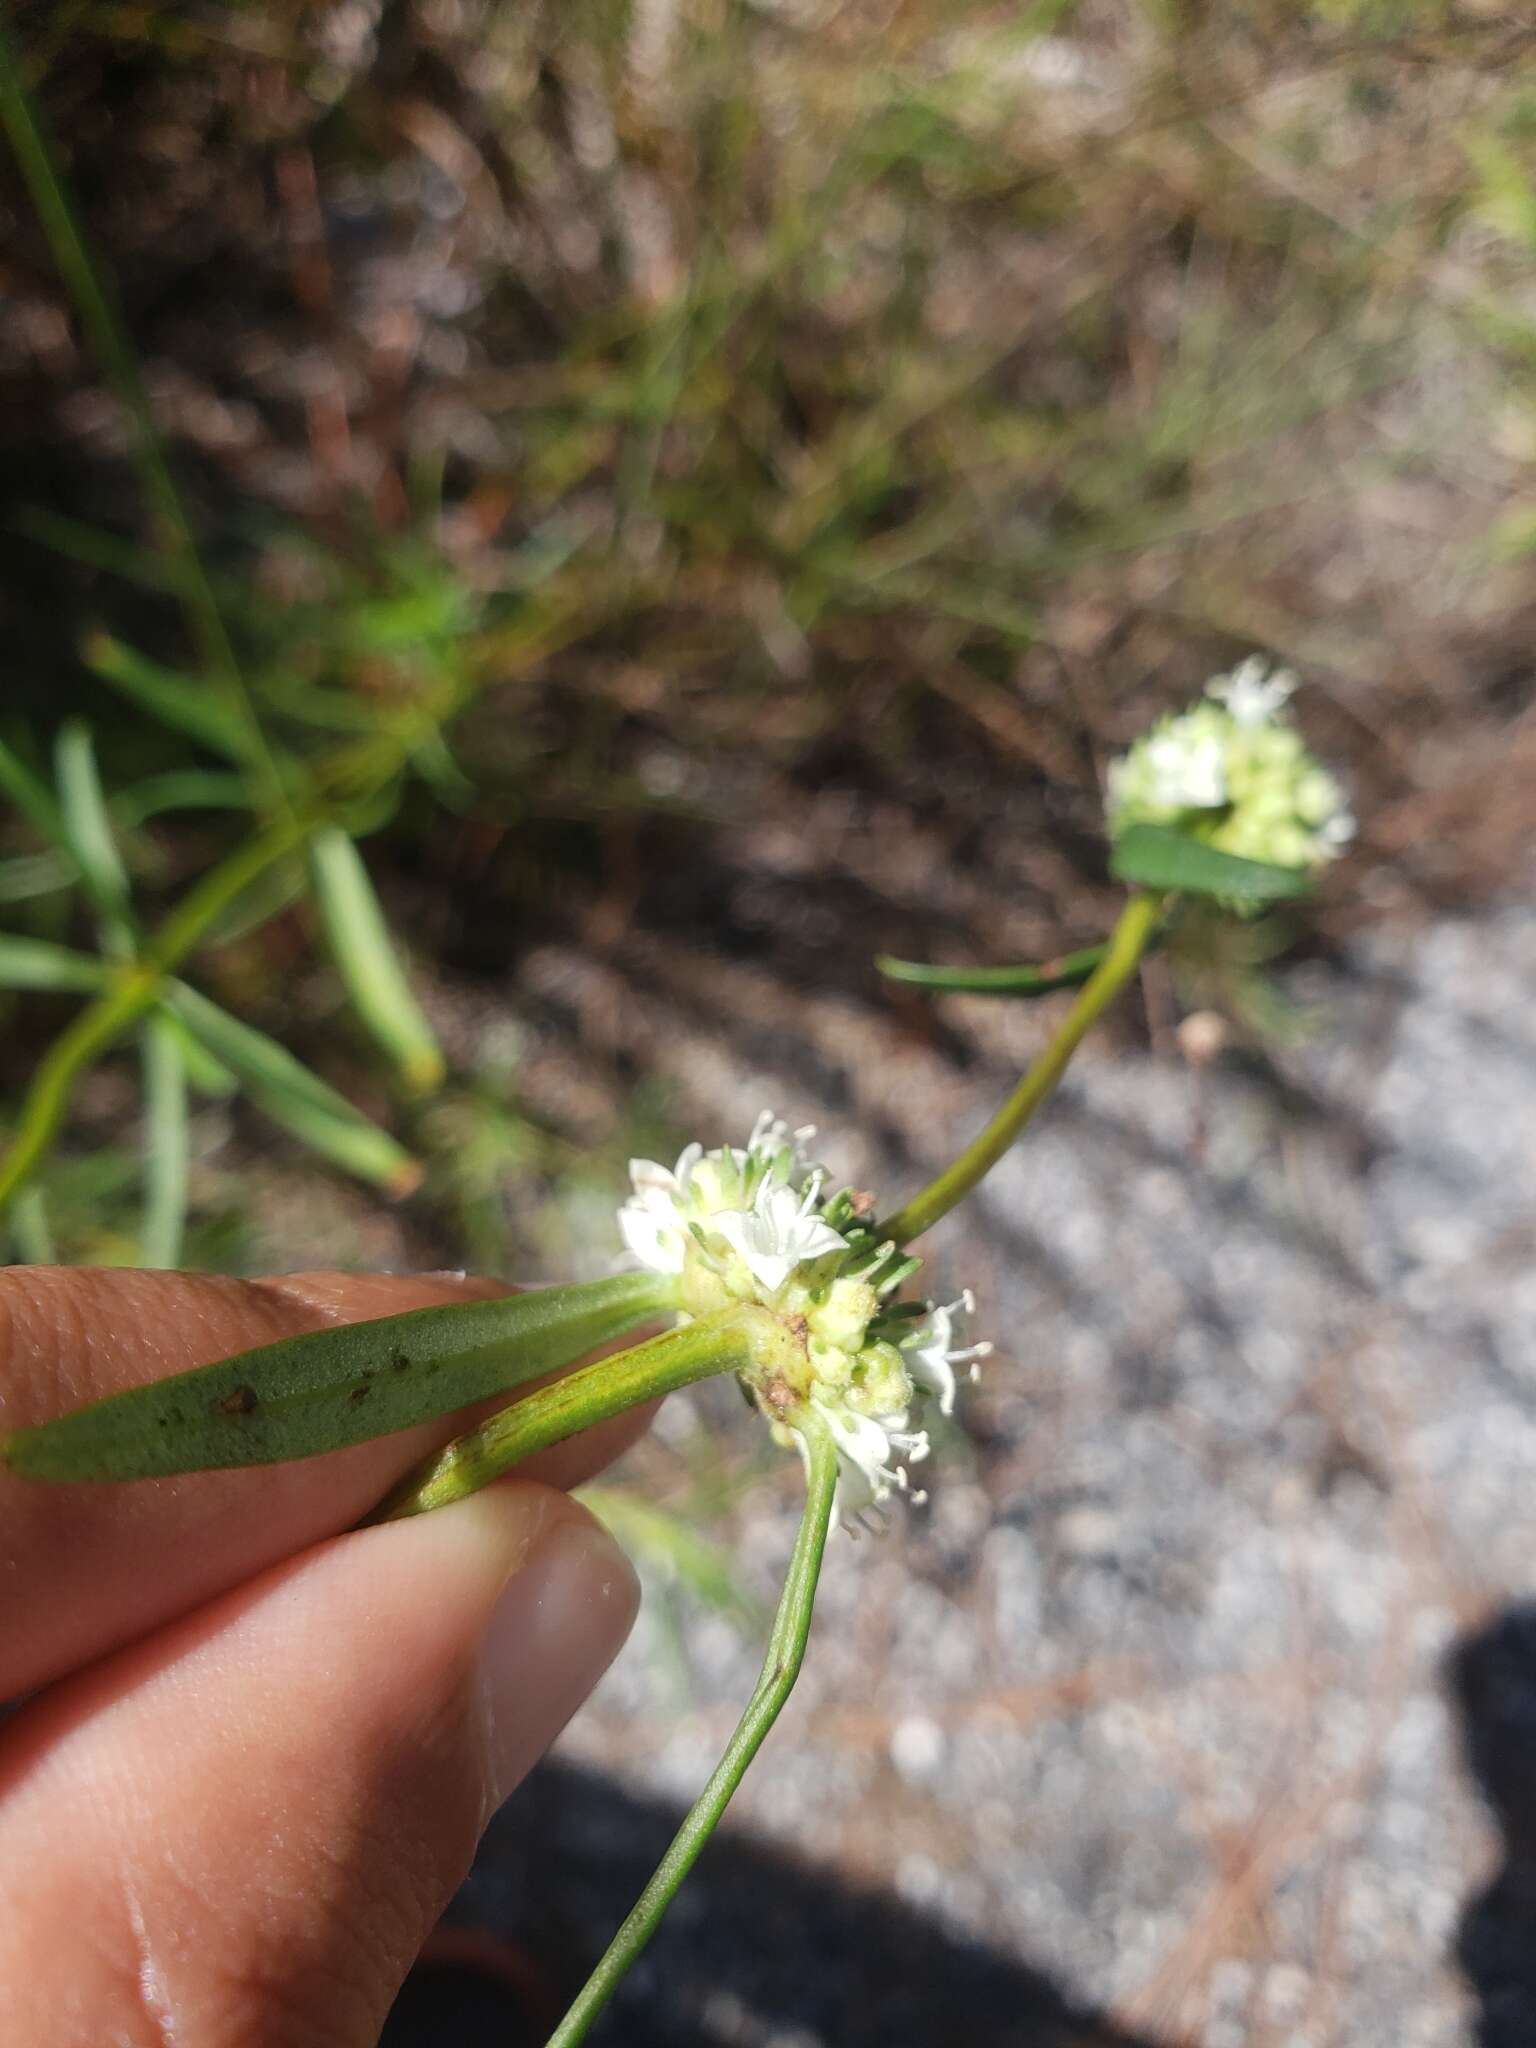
{"points": [[560, 1622]]}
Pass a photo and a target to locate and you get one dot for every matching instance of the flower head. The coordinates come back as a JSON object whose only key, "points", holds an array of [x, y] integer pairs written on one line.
{"points": [[754, 1223], [747, 1195], [1233, 771]]}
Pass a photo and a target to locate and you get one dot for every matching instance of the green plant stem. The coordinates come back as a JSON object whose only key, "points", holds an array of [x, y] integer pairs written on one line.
{"points": [[103, 1022], [781, 1667], [738, 1337], [1132, 934], [165, 1143]]}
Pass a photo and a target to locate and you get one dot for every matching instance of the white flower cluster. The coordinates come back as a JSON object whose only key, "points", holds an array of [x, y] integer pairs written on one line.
{"points": [[763, 1199], [750, 1223], [1234, 772]]}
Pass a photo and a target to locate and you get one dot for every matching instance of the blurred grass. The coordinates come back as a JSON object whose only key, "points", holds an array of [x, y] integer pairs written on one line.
{"points": [[596, 422]]}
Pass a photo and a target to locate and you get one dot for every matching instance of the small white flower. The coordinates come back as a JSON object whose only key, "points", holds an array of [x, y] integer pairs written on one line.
{"points": [[656, 1237], [1252, 693], [779, 1232], [931, 1354], [1187, 770], [873, 1452], [750, 1195]]}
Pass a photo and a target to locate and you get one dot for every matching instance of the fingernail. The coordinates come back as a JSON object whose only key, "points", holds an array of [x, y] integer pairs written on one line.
{"points": [[557, 1627]]}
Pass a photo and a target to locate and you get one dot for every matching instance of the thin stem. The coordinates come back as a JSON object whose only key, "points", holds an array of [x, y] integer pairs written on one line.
{"points": [[103, 1022], [781, 1667], [1122, 953], [727, 1342]]}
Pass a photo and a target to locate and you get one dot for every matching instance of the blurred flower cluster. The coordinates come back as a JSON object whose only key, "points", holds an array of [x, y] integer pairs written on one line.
{"points": [[1233, 771]]}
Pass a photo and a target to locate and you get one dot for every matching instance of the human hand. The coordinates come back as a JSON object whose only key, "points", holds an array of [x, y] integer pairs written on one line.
{"points": [[258, 1751]]}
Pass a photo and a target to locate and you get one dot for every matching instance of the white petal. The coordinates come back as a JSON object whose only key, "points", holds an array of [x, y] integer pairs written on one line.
{"points": [[654, 1237]]}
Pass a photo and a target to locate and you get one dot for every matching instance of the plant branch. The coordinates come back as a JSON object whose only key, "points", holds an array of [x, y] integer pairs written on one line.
{"points": [[727, 1342], [781, 1667], [1130, 938], [104, 1021]]}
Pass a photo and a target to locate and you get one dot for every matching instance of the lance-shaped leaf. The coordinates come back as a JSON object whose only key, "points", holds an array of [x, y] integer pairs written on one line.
{"points": [[285, 1090], [91, 838], [367, 962], [164, 1064], [38, 964], [190, 706], [1156, 857], [1066, 972], [35, 800], [338, 1386]]}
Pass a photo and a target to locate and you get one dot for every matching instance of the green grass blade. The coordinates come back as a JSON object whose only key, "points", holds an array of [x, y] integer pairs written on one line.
{"points": [[33, 798], [187, 706], [31, 875], [30, 1229], [41, 967], [344, 1385], [165, 1143], [120, 1006], [179, 789], [368, 963], [288, 1092], [91, 837]]}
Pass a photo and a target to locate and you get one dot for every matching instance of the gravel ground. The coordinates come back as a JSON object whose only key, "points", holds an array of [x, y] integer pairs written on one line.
{"points": [[1167, 1719]]}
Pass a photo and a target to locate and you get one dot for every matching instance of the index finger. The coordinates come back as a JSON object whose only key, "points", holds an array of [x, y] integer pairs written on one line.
{"points": [[86, 1568]]}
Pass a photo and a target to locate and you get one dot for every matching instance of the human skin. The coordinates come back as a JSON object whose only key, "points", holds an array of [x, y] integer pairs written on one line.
{"points": [[257, 1746]]}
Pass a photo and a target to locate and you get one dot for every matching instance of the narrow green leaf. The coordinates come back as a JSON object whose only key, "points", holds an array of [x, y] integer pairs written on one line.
{"points": [[1065, 972], [343, 1385], [30, 1228], [38, 964], [366, 959], [91, 838], [1156, 857], [178, 701], [165, 1142], [33, 798], [35, 874], [284, 1089], [180, 789], [205, 1074]]}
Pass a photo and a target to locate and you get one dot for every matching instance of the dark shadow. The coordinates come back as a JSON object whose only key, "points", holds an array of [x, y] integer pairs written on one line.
{"points": [[1494, 1678], [758, 1946]]}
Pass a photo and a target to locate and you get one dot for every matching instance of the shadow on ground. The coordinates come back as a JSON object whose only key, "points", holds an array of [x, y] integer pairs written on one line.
{"points": [[1494, 1679], [759, 1948]]}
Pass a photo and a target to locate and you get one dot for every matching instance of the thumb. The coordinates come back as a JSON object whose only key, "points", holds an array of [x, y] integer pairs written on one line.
{"points": [[260, 1812]]}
